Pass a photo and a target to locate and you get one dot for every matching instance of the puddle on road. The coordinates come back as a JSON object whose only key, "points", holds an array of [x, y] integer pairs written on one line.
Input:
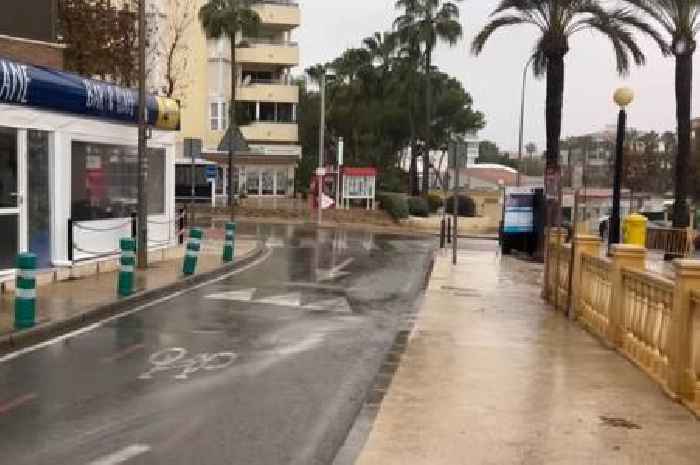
{"points": [[616, 422]]}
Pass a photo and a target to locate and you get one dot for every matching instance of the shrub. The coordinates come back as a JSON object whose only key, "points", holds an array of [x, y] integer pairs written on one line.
{"points": [[418, 206], [396, 205], [434, 201], [465, 206]]}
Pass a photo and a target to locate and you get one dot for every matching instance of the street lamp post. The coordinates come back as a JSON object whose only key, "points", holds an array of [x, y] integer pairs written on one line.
{"points": [[522, 120], [321, 144], [622, 97]]}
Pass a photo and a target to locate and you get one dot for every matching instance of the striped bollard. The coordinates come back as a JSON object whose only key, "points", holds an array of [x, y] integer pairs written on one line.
{"points": [[25, 291], [229, 241], [194, 244], [125, 285]]}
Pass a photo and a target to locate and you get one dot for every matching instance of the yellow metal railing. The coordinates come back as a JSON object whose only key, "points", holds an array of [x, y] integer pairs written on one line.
{"points": [[595, 294], [647, 305]]}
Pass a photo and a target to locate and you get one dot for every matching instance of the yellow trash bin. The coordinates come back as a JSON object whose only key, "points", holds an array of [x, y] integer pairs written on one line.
{"points": [[635, 229]]}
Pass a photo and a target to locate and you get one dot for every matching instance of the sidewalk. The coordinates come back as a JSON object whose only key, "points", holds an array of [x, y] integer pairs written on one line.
{"points": [[491, 375], [65, 299]]}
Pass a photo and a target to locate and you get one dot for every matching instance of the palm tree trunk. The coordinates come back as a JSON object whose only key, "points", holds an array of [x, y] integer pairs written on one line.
{"points": [[684, 80], [428, 118], [232, 125], [553, 106]]}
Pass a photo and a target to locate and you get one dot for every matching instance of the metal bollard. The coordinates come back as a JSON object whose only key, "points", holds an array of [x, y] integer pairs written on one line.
{"points": [[449, 230], [25, 291], [442, 233], [125, 284], [194, 245], [229, 241]]}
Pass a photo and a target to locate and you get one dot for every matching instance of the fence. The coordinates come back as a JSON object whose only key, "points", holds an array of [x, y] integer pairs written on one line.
{"points": [[89, 240], [652, 320], [675, 241]]}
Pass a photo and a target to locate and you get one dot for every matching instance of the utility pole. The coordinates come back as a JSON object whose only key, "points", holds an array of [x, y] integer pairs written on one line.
{"points": [[142, 211]]}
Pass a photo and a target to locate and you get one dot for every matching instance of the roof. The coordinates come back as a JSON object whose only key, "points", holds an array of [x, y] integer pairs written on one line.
{"points": [[493, 173], [362, 171]]}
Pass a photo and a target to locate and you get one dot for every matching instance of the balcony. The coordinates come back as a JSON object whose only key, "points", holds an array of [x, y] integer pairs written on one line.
{"points": [[261, 131], [281, 13], [270, 52], [273, 90]]}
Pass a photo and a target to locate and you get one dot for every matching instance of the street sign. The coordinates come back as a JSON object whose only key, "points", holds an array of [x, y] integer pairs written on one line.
{"points": [[211, 171], [193, 148]]}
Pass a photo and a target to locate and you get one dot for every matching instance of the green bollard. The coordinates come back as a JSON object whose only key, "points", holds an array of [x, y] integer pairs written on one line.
{"points": [[229, 242], [194, 244], [125, 284], [25, 291]]}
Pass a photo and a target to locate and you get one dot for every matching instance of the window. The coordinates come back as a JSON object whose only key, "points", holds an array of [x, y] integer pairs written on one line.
{"points": [[218, 116], [104, 181], [285, 112], [267, 111]]}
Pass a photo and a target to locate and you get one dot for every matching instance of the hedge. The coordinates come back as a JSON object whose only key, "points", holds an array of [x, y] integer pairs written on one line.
{"points": [[465, 206], [418, 206], [396, 205]]}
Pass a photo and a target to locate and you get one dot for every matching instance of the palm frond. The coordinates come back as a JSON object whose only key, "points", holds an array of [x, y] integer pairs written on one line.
{"points": [[492, 26], [659, 10]]}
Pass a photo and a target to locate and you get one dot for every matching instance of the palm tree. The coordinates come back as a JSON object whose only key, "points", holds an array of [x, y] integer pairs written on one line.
{"points": [[680, 21], [226, 18], [428, 22], [557, 21]]}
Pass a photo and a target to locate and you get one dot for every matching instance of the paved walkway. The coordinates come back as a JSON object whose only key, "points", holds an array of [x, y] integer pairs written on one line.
{"points": [[64, 299], [493, 376]]}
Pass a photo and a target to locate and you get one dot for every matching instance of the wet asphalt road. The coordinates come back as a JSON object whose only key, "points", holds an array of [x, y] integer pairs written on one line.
{"points": [[268, 366]]}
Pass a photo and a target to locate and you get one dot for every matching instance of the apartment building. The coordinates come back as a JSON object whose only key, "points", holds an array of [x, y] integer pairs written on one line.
{"points": [[268, 152]]}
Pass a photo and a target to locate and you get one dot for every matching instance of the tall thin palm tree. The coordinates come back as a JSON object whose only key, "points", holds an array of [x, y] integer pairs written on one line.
{"points": [[226, 18], [557, 21], [429, 22], [680, 21]]}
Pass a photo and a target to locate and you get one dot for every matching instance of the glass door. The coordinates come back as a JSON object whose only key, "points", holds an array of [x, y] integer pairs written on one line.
{"points": [[10, 198]]}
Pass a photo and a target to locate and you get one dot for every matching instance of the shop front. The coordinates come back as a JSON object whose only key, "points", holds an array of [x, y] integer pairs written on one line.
{"points": [[68, 167]]}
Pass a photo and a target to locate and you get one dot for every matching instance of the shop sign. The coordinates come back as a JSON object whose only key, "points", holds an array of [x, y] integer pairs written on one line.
{"points": [[50, 89]]}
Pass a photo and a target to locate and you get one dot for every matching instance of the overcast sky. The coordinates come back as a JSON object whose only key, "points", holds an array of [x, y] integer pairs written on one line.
{"points": [[494, 78]]}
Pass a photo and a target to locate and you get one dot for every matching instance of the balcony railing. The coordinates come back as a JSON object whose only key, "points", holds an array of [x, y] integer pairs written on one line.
{"points": [[263, 42], [286, 81]]}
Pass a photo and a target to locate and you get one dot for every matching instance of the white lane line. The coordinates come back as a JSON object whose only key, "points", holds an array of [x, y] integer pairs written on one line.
{"points": [[123, 455], [93, 326], [243, 295]]}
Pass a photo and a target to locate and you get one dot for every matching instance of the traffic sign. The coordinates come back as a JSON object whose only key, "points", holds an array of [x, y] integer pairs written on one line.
{"points": [[211, 171]]}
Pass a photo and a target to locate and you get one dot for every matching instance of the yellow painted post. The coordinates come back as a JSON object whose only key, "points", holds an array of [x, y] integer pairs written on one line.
{"points": [[622, 256], [585, 244], [681, 373]]}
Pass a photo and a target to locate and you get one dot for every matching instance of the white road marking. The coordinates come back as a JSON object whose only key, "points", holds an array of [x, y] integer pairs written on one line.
{"points": [[244, 295], [274, 242], [122, 455], [93, 326], [332, 305], [335, 272], [292, 299]]}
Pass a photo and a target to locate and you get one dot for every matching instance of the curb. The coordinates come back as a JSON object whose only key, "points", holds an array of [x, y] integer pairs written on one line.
{"points": [[51, 329]]}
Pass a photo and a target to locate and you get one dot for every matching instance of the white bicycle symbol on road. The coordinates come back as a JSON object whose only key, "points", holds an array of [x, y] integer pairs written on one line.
{"points": [[174, 358]]}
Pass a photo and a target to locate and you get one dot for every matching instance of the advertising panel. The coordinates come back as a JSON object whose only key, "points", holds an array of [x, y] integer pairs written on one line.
{"points": [[519, 208]]}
